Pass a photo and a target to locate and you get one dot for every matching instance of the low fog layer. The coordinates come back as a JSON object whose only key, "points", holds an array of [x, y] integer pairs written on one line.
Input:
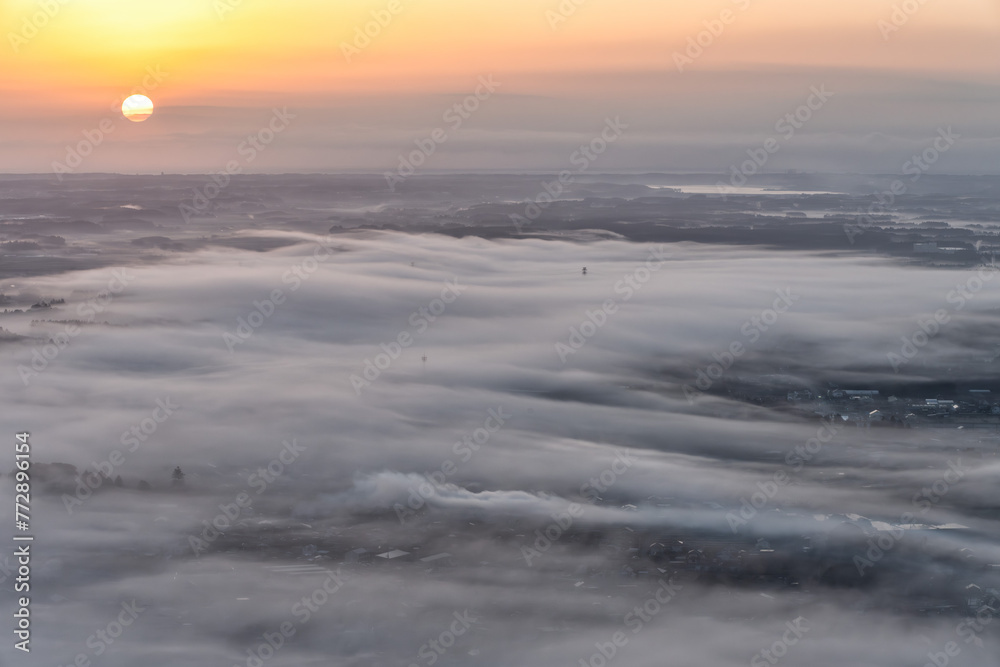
{"points": [[439, 395]]}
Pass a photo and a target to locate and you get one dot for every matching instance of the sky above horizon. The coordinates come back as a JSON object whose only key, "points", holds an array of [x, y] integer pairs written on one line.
{"points": [[218, 69]]}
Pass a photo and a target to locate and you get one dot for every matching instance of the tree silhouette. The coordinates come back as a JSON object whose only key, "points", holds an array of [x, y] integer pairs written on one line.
{"points": [[178, 476]]}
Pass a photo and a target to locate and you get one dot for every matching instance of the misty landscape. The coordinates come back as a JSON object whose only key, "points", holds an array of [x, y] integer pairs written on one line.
{"points": [[469, 333], [323, 423]]}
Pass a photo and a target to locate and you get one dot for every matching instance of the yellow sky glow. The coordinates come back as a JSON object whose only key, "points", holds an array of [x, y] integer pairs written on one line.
{"points": [[195, 56], [106, 44]]}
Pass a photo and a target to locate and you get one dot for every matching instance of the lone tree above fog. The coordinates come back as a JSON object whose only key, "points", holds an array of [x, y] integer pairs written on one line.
{"points": [[178, 476]]}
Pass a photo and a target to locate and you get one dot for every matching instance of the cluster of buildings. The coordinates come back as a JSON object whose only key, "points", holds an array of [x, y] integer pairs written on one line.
{"points": [[628, 554], [963, 408], [898, 406]]}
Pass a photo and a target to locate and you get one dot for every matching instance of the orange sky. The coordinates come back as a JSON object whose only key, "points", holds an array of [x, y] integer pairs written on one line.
{"points": [[60, 74]]}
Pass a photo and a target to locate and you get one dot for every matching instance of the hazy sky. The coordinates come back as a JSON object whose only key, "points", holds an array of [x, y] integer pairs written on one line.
{"points": [[225, 64]]}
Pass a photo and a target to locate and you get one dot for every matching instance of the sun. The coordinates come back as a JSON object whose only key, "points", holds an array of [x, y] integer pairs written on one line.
{"points": [[137, 108]]}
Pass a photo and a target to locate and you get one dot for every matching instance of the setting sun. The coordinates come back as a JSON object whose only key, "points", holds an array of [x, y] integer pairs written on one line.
{"points": [[137, 108]]}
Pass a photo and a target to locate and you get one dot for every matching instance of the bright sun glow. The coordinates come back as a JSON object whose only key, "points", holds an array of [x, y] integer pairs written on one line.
{"points": [[137, 108]]}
